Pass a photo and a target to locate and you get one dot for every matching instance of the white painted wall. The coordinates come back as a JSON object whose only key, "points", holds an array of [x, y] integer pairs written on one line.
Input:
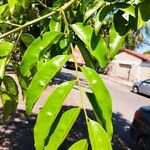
{"points": [[140, 70]]}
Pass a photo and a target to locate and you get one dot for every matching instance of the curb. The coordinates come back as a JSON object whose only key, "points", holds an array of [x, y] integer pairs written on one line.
{"points": [[118, 80]]}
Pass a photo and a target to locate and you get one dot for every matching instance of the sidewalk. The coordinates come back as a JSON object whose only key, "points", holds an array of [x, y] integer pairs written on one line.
{"points": [[118, 80]]}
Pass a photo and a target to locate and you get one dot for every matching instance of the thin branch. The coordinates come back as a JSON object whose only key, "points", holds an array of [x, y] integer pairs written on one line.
{"points": [[65, 20], [64, 7], [15, 46], [43, 5], [79, 84], [9, 23]]}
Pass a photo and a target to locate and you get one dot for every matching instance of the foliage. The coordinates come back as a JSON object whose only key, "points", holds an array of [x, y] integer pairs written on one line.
{"points": [[147, 52], [38, 37]]}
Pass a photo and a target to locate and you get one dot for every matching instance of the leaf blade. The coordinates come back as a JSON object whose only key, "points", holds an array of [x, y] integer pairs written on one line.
{"points": [[92, 10], [80, 145], [49, 112], [98, 137], [84, 33], [101, 15], [42, 78], [116, 42], [11, 85], [103, 98], [62, 129], [96, 45], [2, 67], [39, 45], [11, 4], [27, 39], [5, 49]]}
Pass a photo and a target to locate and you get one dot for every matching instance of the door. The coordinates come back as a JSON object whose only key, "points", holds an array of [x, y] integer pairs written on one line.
{"points": [[124, 71]]}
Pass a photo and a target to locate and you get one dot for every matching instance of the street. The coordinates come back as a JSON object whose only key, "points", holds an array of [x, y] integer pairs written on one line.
{"points": [[123, 100], [124, 104]]}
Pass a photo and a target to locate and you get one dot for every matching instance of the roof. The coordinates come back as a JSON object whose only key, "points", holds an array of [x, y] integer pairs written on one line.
{"points": [[144, 57]]}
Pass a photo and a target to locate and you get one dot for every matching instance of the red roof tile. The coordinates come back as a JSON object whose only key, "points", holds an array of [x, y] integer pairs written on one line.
{"points": [[145, 57]]}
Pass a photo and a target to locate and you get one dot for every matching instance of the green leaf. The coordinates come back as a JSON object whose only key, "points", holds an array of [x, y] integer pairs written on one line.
{"points": [[122, 5], [55, 23], [49, 112], [101, 53], [94, 44], [63, 127], [9, 96], [103, 12], [84, 33], [23, 3], [103, 99], [5, 49], [98, 137], [2, 8], [120, 23], [2, 67], [96, 108], [23, 81], [11, 4], [38, 46], [140, 22], [137, 1], [88, 58], [144, 10], [116, 41], [27, 39], [11, 85], [7, 105], [130, 10], [80, 145], [41, 80], [92, 10]]}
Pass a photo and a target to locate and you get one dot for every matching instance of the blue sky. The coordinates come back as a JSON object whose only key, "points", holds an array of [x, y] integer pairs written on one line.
{"points": [[144, 47]]}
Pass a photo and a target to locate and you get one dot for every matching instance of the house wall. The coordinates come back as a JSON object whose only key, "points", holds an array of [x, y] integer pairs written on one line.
{"points": [[129, 67], [126, 58], [134, 73], [144, 70]]}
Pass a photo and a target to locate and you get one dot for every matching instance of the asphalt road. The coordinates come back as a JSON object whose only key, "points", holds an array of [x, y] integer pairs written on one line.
{"points": [[124, 104], [123, 100]]}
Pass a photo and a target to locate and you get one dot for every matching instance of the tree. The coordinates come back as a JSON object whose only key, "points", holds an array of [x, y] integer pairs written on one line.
{"points": [[38, 37], [147, 52]]}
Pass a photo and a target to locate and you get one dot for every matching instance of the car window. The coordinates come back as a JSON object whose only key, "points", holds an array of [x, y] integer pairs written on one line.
{"points": [[147, 81]]}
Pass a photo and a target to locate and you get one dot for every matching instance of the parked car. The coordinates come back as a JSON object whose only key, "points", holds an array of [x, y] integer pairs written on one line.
{"points": [[140, 128], [142, 87]]}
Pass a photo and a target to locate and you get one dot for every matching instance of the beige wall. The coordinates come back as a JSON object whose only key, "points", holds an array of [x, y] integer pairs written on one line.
{"points": [[134, 73], [131, 68], [144, 73], [127, 58]]}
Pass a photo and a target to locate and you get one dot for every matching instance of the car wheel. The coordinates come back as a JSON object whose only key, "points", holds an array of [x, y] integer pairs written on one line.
{"points": [[135, 89], [143, 143]]}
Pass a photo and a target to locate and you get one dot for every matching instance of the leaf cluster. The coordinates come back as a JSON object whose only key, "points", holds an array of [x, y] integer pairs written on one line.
{"points": [[38, 37]]}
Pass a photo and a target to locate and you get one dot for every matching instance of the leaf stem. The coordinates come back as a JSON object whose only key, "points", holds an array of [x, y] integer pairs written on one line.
{"points": [[15, 45], [10, 23], [65, 20], [64, 7], [79, 84]]}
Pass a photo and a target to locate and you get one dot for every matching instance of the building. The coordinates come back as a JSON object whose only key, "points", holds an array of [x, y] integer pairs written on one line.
{"points": [[130, 65]]}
